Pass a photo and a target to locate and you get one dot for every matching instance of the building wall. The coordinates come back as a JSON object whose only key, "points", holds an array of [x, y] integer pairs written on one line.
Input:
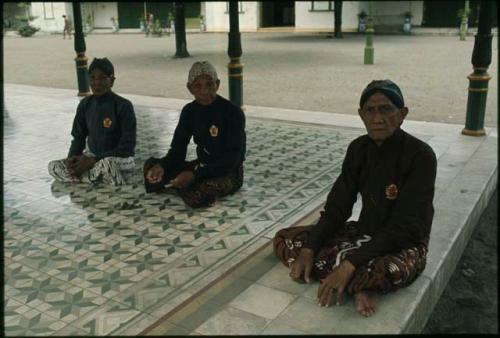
{"points": [[386, 13], [103, 11], [217, 19], [307, 20], [389, 13], [49, 15]]}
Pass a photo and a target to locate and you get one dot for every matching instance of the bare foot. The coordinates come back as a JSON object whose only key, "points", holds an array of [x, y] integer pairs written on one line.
{"points": [[365, 303]]}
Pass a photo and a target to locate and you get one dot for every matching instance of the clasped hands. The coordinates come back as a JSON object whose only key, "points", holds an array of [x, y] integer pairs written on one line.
{"points": [[79, 164], [156, 172], [337, 280]]}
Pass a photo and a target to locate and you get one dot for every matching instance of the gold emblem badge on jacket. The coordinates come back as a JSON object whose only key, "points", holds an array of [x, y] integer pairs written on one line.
{"points": [[107, 122], [214, 131], [391, 192]]}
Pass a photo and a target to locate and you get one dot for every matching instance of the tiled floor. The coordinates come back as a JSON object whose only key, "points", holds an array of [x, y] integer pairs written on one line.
{"points": [[99, 260]]}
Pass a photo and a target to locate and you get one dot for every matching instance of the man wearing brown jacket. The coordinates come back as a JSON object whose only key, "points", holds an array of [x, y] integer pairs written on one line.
{"points": [[386, 248]]}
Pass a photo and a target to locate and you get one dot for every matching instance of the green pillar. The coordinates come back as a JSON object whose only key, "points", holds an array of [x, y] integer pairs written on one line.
{"points": [[180, 31], [463, 22], [478, 80], [338, 18], [369, 50], [81, 60], [235, 68]]}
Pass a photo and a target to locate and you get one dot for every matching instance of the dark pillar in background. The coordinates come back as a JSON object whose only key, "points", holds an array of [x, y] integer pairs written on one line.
{"points": [[478, 80], [235, 68], [369, 50], [180, 31], [81, 60], [338, 18]]}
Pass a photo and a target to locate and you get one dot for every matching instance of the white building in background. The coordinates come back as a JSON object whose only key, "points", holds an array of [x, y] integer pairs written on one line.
{"points": [[49, 14], [298, 16], [217, 16]]}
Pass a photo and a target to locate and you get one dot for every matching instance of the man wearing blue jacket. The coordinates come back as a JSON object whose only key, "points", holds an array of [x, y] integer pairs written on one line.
{"points": [[104, 134], [218, 129]]}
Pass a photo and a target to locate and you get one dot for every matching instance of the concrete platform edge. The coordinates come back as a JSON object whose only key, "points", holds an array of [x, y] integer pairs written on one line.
{"points": [[430, 296]]}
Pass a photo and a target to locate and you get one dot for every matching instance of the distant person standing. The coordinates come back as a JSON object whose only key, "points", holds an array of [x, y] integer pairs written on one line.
{"points": [[171, 23], [67, 27], [114, 22], [149, 23]]}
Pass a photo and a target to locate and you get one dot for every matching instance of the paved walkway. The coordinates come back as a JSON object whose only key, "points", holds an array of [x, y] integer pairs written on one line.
{"points": [[304, 71], [80, 262]]}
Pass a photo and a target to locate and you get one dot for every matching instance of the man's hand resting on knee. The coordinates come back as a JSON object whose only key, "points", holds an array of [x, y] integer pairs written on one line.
{"points": [[155, 174], [77, 165], [183, 180], [332, 287], [300, 269]]}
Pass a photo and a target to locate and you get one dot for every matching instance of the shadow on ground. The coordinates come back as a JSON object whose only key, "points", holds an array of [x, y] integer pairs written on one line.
{"points": [[469, 304]]}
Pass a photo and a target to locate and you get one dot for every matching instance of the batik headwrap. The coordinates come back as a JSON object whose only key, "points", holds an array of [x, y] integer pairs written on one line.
{"points": [[386, 87], [201, 68]]}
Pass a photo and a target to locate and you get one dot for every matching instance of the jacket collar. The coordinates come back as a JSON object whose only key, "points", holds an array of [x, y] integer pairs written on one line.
{"points": [[104, 97]]}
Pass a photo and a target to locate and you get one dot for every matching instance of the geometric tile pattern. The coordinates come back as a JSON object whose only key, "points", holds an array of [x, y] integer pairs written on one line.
{"points": [[93, 259]]}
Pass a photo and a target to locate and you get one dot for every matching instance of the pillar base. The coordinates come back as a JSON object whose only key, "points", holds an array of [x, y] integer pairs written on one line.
{"points": [[369, 56], [181, 55], [84, 93], [469, 132]]}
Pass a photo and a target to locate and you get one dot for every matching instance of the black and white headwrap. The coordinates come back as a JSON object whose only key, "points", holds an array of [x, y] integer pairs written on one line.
{"points": [[386, 87], [202, 68]]}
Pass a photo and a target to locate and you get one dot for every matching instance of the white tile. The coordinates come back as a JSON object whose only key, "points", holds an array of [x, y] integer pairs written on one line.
{"points": [[279, 328], [231, 321], [306, 315], [278, 278], [262, 301]]}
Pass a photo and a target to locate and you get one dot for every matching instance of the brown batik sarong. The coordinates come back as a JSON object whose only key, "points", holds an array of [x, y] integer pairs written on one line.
{"points": [[201, 193], [383, 274]]}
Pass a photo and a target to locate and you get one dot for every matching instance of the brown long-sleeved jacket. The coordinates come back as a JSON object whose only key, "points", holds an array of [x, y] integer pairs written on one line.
{"points": [[397, 217]]}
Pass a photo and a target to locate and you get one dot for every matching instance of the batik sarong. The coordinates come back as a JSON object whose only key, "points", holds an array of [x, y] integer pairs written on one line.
{"points": [[202, 193], [109, 170], [382, 274]]}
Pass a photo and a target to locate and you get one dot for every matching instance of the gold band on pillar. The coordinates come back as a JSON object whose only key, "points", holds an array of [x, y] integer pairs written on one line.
{"points": [[233, 65], [81, 57], [474, 77], [81, 61], [478, 89], [469, 132]]}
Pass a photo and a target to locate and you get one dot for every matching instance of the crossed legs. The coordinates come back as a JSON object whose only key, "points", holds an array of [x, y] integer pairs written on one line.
{"points": [[380, 275]]}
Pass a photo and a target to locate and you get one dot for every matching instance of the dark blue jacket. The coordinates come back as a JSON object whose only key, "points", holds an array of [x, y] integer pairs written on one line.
{"points": [[219, 133], [109, 124]]}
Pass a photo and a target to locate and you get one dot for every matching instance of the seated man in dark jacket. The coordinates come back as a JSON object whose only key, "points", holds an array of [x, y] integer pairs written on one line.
{"points": [[218, 129], [386, 248], [104, 134]]}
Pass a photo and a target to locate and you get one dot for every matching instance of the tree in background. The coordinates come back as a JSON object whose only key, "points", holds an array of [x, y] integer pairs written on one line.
{"points": [[24, 28]]}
